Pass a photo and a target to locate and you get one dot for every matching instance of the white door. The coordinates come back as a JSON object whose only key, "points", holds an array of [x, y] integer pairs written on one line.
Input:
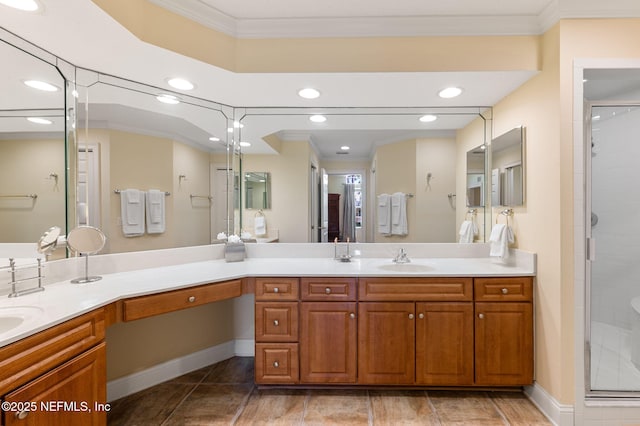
{"points": [[87, 204]]}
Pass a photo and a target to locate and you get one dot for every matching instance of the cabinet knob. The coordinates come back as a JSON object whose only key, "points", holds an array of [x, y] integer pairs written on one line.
{"points": [[421, 316], [410, 316], [276, 323], [481, 316], [276, 290], [21, 415], [352, 315], [276, 364], [505, 291], [327, 290], [192, 299]]}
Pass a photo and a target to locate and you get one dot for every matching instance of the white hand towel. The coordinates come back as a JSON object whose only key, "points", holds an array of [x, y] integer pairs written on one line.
{"points": [[399, 214], [384, 214], [500, 238], [466, 232], [156, 222], [132, 212], [259, 226]]}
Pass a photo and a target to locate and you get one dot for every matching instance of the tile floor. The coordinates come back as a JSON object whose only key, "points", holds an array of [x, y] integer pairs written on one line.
{"points": [[224, 394], [611, 366]]}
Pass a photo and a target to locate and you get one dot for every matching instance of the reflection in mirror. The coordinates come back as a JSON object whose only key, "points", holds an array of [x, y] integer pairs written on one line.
{"points": [[32, 145], [475, 176], [392, 150], [257, 190], [507, 168], [151, 174], [49, 241]]}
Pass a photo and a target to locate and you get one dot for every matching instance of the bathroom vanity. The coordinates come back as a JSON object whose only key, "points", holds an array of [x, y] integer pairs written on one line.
{"points": [[449, 321], [427, 331]]}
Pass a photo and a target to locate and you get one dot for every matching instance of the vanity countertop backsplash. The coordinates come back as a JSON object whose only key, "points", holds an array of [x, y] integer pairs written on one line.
{"points": [[140, 273]]}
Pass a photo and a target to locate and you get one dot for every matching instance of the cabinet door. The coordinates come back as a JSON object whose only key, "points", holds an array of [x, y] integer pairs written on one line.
{"points": [[444, 343], [276, 322], [386, 343], [68, 395], [504, 343], [328, 342]]}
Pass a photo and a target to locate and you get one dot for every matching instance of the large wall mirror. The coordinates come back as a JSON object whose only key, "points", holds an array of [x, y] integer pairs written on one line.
{"points": [[32, 142], [507, 168], [476, 165], [135, 142], [323, 162]]}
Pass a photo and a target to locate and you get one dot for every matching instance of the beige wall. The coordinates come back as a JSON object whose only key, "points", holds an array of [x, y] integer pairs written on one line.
{"points": [[290, 171], [138, 345], [25, 166]]}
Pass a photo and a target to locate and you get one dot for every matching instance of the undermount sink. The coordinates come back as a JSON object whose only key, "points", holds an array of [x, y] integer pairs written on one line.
{"points": [[406, 267], [15, 316]]}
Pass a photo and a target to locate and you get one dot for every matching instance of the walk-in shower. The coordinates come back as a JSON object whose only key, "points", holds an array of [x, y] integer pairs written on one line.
{"points": [[613, 273]]}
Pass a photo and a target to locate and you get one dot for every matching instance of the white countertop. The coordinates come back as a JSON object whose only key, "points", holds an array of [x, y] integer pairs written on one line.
{"points": [[63, 300]]}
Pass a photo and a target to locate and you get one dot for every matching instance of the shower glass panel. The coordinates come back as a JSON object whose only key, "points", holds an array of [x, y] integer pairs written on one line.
{"points": [[613, 323]]}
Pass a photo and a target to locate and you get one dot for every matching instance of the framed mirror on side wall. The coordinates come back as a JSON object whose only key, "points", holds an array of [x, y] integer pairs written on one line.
{"points": [[508, 168]]}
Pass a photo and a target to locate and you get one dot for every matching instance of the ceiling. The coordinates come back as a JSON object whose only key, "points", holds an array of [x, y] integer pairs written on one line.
{"points": [[81, 33]]}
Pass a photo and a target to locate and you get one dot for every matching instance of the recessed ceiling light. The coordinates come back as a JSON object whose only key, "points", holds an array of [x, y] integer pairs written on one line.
{"points": [[180, 84], [41, 85], [318, 118], [39, 120], [26, 5], [238, 125], [595, 117], [428, 118], [450, 92], [245, 144], [214, 139], [75, 93], [308, 93], [168, 99], [344, 148]]}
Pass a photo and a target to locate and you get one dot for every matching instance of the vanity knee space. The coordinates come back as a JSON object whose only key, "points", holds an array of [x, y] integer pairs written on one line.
{"points": [[448, 331]]}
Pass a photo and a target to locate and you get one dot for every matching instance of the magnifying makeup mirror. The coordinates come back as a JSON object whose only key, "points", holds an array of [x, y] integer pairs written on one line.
{"points": [[86, 240], [49, 241]]}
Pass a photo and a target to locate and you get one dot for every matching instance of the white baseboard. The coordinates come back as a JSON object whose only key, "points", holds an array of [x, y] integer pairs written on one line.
{"points": [[559, 414], [168, 370], [245, 347]]}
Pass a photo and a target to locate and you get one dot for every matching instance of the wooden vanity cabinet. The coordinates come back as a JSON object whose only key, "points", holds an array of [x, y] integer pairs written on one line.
{"points": [[328, 330], [276, 330], [65, 363], [504, 331]]}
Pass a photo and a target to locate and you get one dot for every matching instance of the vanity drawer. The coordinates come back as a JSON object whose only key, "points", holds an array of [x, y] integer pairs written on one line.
{"points": [[32, 356], [277, 288], [328, 289], [512, 289], [276, 321], [415, 289], [277, 363], [156, 304]]}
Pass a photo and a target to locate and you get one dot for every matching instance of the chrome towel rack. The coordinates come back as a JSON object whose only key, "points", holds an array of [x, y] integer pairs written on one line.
{"points": [[118, 191], [506, 213], [208, 197], [32, 196]]}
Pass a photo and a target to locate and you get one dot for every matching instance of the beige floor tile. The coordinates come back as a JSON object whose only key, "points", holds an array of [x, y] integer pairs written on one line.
{"points": [[465, 408], [211, 405], [339, 407], [401, 408], [518, 410], [148, 407], [274, 407]]}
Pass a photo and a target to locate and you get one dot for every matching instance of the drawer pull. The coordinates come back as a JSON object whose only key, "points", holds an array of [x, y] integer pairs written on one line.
{"points": [[410, 316], [276, 364], [21, 415], [352, 315], [192, 299], [327, 290], [505, 291], [276, 290], [481, 316], [276, 323], [421, 316]]}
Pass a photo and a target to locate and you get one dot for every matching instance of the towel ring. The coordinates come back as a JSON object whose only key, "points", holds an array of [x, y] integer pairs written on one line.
{"points": [[259, 213], [472, 212]]}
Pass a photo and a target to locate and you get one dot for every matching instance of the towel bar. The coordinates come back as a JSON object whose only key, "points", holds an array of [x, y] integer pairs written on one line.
{"points": [[118, 191]]}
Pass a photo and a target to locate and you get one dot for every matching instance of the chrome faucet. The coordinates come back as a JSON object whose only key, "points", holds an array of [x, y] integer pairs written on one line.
{"points": [[401, 257]]}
